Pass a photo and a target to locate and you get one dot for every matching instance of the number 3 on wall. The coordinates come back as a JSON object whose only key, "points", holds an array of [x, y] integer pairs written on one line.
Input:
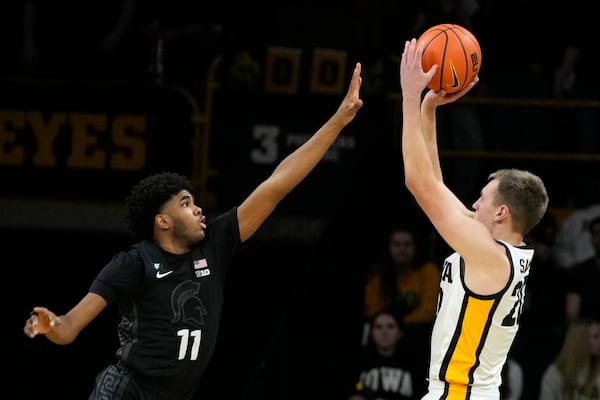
{"points": [[268, 152]]}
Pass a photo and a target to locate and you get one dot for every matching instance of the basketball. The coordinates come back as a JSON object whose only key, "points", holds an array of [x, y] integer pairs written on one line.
{"points": [[457, 53]]}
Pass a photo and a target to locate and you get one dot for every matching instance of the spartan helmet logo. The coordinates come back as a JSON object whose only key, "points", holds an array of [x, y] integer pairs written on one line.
{"points": [[186, 304]]}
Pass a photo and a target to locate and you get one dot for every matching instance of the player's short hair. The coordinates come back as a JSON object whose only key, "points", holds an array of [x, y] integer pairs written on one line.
{"points": [[148, 196], [525, 195]]}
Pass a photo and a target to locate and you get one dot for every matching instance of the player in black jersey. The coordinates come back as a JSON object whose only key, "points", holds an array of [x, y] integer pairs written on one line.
{"points": [[169, 285]]}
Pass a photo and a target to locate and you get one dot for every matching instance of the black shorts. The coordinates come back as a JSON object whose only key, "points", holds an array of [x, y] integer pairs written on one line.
{"points": [[117, 382]]}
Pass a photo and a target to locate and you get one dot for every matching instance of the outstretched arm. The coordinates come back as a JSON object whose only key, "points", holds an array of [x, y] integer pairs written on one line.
{"points": [[64, 329], [422, 172], [429, 126], [420, 156], [296, 166], [431, 102]]}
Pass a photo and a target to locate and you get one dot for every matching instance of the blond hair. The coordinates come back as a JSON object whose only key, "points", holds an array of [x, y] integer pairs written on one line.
{"points": [[580, 370], [525, 195]]}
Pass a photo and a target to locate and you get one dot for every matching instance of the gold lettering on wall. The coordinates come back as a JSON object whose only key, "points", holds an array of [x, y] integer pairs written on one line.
{"points": [[85, 150], [90, 141], [45, 134], [282, 70], [11, 153], [130, 152], [328, 71]]}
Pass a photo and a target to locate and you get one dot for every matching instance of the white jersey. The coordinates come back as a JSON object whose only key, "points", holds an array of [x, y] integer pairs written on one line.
{"points": [[472, 334]]}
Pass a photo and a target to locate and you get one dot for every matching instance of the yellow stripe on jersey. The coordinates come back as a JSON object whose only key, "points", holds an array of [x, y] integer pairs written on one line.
{"points": [[463, 357]]}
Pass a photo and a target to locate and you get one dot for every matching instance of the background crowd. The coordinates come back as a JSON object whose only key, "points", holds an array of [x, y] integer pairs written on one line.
{"points": [[353, 317]]}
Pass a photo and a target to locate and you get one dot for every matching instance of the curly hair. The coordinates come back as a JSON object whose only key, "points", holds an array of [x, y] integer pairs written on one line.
{"points": [[147, 198]]}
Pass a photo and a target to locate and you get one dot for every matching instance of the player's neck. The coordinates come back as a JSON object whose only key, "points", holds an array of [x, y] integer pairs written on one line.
{"points": [[512, 238]]}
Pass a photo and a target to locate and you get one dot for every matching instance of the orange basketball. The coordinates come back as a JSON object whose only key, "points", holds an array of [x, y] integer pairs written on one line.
{"points": [[456, 51]]}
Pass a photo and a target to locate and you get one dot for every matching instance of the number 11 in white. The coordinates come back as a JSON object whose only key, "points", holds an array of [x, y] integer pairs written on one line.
{"points": [[185, 335]]}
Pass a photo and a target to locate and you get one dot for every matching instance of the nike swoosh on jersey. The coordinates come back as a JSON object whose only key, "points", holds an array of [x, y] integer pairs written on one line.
{"points": [[162, 274]]}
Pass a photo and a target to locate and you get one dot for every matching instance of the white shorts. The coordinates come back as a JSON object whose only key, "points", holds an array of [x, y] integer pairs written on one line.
{"points": [[436, 392]]}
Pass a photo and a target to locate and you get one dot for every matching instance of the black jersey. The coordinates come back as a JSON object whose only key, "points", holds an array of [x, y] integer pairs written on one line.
{"points": [[170, 305]]}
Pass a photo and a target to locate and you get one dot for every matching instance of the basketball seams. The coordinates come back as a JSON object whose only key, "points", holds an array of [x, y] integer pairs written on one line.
{"points": [[436, 34], [466, 59], [443, 66], [468, 35], [475, 44], [456, 51]]}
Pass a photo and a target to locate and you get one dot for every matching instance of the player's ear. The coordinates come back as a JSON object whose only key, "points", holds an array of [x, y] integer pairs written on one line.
{"points": [[502, 212], [162, 221]]}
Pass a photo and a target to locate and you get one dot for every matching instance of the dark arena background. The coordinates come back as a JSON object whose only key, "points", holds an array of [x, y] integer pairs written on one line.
{"points": [[89, 106]]}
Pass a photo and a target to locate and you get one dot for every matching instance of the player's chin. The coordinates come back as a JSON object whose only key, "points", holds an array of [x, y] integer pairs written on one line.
{"points": [[200, 235]]}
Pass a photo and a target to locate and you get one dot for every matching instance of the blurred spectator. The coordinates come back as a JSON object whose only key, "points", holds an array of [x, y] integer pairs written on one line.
{"points": [[575, 373], [583, 283], [512, 380], [543, 321], [403, 280], [387, 370], [573, 242]]}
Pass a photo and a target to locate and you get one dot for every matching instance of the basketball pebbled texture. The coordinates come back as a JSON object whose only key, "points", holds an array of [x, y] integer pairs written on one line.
{"points": [[456, 51]]}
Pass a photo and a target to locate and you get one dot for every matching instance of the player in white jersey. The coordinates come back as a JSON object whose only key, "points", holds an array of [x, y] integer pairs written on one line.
{"points": [[483, 283], [473, 333]]}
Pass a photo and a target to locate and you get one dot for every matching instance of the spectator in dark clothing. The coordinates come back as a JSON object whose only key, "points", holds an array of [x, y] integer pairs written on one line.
{"points": [[583, 283]]}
